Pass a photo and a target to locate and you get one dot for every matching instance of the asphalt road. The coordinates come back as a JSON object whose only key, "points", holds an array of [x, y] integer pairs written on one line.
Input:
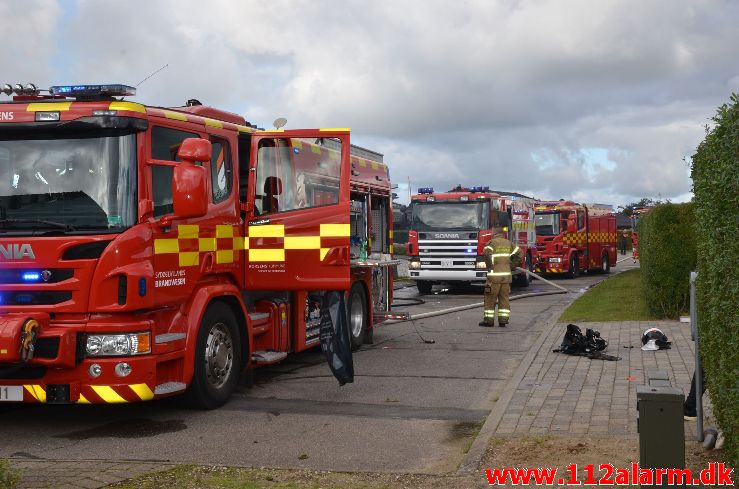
{"points": [[413, 407]]}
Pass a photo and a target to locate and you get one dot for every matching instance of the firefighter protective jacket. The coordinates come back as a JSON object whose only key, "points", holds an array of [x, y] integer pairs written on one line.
{"points": [[498, 254]]}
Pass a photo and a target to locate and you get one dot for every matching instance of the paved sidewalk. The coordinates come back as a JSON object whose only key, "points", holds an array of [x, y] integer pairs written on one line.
{"points": [[76, 474], [563, 394]]}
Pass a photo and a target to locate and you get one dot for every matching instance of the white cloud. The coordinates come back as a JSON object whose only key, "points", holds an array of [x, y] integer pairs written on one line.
{"points": [[451, 92]]}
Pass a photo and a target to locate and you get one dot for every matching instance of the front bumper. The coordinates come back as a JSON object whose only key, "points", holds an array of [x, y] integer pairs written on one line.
{"points": [[448, 275], [544, 265], [60, 373]]}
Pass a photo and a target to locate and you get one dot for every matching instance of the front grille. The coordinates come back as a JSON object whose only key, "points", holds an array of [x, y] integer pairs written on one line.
{"points": [[33, 298], [22, 372], [47, 275], [447, 254]]}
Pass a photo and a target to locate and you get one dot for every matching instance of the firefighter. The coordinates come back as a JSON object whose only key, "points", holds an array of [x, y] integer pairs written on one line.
{"points": [[501, 256]]}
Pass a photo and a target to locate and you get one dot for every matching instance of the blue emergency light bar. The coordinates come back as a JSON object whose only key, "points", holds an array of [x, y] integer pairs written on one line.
{"points": [[90, 91], [426, 190], [480, 189]]}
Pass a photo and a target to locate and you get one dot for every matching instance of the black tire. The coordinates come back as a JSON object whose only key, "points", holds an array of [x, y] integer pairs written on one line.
{"points": [[574, 270], [605, 264], [217, 359], [356, 308], [424, 286]]}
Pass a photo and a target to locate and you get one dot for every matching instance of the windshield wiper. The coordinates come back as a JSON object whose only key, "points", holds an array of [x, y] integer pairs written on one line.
{"points": [[53, 224]]}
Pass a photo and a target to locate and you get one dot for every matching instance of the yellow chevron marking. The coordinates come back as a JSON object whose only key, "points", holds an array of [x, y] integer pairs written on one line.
{"points": [[302, 242], [166, 246], [224, 231], [37, 392], [189, 258], [177, 116], [334, 129], [267, 231], [267, 255], [143, 391], [224, 256], [206, 244], [83, 400], [107, 394], [213, 123], [335, 230], [128, 106], [188, 231], [48, 107], [324, 252]]}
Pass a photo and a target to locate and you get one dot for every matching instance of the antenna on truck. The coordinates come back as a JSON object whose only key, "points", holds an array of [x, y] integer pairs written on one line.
{"points": [[154, 73]]}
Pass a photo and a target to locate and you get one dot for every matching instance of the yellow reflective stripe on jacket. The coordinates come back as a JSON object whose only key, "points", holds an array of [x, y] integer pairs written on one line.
{"points": [[514, 251], [501, 274]]}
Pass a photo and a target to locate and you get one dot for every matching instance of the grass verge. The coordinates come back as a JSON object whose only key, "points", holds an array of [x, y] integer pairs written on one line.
{"points": [[620, 298], [9, 478]]}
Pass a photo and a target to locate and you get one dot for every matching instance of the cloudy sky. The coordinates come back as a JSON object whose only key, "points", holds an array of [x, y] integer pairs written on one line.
{"points": [[593, 100]]}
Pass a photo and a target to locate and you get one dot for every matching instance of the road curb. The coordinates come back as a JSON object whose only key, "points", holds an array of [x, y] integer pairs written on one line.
{"points": [[474, 456]]}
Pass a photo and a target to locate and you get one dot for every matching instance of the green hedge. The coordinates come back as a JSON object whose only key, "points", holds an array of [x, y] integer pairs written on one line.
{"points": [[667, 254], [716, 189]]}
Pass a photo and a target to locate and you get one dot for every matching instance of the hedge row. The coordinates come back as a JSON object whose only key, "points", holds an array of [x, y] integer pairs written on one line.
{"points": [[667, 255], [716, 188]]}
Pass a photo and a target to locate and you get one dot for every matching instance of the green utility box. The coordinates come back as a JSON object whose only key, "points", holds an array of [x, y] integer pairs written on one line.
{"points": [[660, 425]]}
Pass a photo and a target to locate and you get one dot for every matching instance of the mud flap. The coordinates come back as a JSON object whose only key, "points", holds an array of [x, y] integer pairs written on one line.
{"points": [[335, 340]]}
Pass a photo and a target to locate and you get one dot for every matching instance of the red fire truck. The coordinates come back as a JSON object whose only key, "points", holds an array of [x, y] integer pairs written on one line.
{"points": [[149, 252], [575, 237], [449, 230]]}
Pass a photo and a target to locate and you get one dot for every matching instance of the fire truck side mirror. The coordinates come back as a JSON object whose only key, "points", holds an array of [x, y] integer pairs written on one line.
{"points": [[195, 149], [189, 185]]}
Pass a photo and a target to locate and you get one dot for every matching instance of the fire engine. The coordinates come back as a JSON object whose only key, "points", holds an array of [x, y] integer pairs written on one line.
{"points": [[449, 231], [150, 252], [575, 237]]}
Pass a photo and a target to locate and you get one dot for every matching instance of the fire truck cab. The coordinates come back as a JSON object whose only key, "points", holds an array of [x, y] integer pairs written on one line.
{"points": [[449, 230], [575, 237], [149, 251]]}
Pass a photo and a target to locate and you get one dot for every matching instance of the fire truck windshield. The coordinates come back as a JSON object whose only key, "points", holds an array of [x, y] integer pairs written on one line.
{"points": [[68, 182], [443, 216], [547, 224]]}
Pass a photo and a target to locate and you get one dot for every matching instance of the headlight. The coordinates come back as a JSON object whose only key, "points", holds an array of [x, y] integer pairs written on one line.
{"points": [[414, 264], [555, 260], [481, 264], [115, 345]]}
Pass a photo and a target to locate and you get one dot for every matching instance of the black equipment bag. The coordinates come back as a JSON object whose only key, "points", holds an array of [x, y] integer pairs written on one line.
{"points": [[335, 341], [588, 345]]}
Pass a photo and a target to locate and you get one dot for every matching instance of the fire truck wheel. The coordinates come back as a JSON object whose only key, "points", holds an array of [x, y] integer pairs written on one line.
{"points": [[357, 315], [424, 286], [217, 359], [605, 265], [574, 270]]}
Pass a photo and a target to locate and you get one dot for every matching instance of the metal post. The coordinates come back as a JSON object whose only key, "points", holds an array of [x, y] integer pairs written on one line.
{"points": [[698, 370]]}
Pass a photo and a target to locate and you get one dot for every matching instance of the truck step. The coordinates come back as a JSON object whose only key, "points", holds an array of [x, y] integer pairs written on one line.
{"points": [[267, 357], [396, 315]]}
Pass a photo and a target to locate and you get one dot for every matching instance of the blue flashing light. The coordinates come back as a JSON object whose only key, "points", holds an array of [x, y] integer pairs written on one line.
{"points": [[480, 189], [30, 276], [142, 286], [426, 190], [116, 90], [470, 250]]}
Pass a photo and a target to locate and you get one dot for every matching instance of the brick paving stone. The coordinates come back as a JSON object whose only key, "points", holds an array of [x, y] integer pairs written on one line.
{"points": [[566, 393]]}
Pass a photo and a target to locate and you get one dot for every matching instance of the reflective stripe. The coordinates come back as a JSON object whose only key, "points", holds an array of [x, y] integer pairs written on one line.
{"points": [[504, 314], [504, 310], [514, 251], [489, 248], [500, 255], [498, 274]]}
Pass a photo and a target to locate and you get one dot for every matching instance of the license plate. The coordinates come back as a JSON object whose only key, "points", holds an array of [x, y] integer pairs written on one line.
{"points": [[11, 393], [447, 263]]}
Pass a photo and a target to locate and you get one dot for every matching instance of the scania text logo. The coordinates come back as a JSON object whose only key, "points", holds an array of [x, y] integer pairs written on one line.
{"points": [[446, 235], [6, 116], [16, 251]]}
